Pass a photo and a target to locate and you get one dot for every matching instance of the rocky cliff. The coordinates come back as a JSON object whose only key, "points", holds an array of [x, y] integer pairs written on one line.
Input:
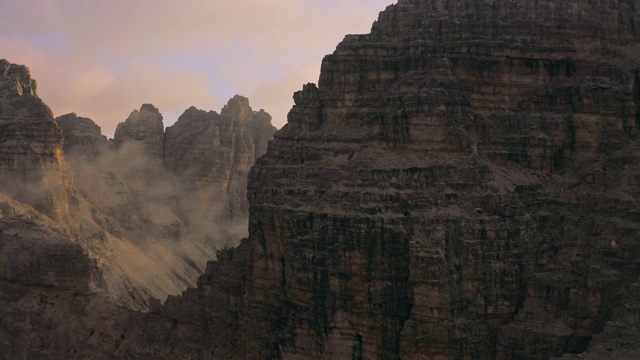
{"points": [[462, 183], [212, 153], [459, 185], [153, 207], [148, 213], [82, 137], [142, 128], [31, 157]]}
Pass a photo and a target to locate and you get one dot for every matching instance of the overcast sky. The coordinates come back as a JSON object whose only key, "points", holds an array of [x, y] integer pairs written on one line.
{"points": [[104, 58]]}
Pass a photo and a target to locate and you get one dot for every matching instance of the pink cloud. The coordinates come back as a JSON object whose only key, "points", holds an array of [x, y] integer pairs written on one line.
{"points": [[109, 63]]}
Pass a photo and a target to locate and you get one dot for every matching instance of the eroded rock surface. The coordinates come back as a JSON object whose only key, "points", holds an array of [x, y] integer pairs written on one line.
{"points": [[153, 208], [82, 137], [212, 153], [150, 228], [31, 156], [143, 128], [460, 184]]}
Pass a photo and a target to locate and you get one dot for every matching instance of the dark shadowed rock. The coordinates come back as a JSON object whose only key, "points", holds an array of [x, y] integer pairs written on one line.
{"points": [[461, 184], [458, 185]]}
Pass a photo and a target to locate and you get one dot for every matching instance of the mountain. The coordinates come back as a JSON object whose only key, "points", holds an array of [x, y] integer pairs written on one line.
{"points": [[462, 183], [148, 211], [153, 207], [459, 184], [31, 160]]}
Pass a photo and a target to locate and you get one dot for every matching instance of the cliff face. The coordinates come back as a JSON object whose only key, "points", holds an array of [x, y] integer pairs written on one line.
{"points": [[118, 225], [142, 128], [82, 137], [31, 160], [212, 153], [149, 228], [460, 184], [151, 208]]}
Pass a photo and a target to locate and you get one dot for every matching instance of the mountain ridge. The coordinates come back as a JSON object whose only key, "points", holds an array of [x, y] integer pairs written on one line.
{"points": [[460, 184]]}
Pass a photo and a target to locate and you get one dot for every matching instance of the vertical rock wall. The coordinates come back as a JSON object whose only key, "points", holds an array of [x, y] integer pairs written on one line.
{"points": [[153, 207], [31, 156], [458, 185]]}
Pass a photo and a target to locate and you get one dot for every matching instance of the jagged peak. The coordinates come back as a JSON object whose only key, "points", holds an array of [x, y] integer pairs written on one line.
{"points": [[147, 113], [78, 124], [4, 66], [149, 108], [20, 82], [237, 108], [70, 115], [145, 126], [309, 95], [192, 111]]}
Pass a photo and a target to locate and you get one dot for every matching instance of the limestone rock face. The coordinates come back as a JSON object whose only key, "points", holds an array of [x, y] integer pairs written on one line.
{"points": [[31, 157], [82, 137], [152, 208], [134, 233], [35, 251], [212, 153], [144, 128], [460, 184]]}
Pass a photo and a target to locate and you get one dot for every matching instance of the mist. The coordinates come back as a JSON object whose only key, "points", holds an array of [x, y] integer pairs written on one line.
{"points": [[152, 220]]}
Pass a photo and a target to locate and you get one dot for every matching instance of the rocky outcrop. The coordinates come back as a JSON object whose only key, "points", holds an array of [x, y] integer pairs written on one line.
{"points": [[458, 185], [212, 153], [44, 276], [149, 228], [443, 193], [31, 157], [82, 137], [151, 209], [67, 286], [142, 128], [461, 184]]}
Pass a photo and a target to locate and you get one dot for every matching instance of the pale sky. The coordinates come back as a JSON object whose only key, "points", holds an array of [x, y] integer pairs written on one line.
{"points": [[104, 58]]}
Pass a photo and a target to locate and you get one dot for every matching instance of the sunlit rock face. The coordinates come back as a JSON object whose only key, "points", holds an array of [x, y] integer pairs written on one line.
{"points": [[31, 157], [118, 226]]}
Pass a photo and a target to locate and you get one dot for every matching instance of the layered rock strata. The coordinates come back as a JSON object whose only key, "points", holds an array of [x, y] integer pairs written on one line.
{"points": [[148, 213], [142, 128], [212, 153], [31, 156], [461, 184], [458, 185], [82, 137], [153, 207]]}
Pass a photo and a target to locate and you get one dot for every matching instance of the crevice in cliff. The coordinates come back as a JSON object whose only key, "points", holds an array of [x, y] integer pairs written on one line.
{"points": [[357, 349], [636, 97]]}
